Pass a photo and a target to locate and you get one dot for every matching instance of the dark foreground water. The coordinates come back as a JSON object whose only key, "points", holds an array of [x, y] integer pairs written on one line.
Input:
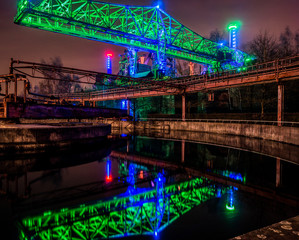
{"points": [[136, 184]]}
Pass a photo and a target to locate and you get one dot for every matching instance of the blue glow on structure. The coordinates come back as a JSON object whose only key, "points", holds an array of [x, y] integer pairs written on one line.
{"points": [[231, 175], [108, 170], [233, 37], [109, 64], [230, 203], [218, 194], [123, 104], [131, 176]]}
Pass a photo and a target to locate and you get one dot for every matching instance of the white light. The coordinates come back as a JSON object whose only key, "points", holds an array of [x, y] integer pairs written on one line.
{"points": [[157, 6]]}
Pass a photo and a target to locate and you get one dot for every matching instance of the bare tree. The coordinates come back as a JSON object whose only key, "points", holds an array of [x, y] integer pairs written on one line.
{"points": [[286, 43], [56, 81], [217, 36], [264, 46]]}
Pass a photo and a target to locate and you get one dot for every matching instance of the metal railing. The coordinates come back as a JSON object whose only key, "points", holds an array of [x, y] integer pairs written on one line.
{"points": [[275, 66]]}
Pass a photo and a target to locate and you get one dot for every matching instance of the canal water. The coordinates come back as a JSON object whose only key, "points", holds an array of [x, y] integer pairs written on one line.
{"points": [[164, 189]]}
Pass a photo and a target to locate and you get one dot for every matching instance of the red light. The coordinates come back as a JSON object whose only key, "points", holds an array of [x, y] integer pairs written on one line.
{"points": [[109, 54], [141, 174], [108, 178]]}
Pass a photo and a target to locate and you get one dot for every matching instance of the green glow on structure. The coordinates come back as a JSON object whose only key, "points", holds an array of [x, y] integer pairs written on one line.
{"points": [[145, 28], [232, 26], [230, 208], [142, 213]]}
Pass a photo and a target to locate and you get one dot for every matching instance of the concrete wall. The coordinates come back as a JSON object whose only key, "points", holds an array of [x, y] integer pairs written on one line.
{"points": [[282, 134], [21, 137]]}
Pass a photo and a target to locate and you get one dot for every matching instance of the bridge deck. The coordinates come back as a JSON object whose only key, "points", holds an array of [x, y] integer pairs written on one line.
{"points": [[275, 71]]}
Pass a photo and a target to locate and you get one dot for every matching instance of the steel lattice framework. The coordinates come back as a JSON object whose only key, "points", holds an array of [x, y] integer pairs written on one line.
{"points": [[146, 212], [147, 28]]}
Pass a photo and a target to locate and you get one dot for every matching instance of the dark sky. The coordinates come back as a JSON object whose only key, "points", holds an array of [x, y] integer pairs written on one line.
{"points": [[202, 16]]}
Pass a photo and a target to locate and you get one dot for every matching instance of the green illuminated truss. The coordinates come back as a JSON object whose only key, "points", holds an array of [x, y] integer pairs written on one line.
{"points": [[146, 212], [146, 28]]}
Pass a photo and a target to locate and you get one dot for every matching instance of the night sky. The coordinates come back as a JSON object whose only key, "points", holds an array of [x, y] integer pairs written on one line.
{"points": [[202, 16]]}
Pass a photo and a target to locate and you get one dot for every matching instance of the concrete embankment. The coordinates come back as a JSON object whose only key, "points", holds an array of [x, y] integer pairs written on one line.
{"points": [[284, 134], [33, 137], [284, 230]]}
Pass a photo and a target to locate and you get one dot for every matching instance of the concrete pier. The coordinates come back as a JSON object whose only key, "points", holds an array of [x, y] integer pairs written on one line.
{"points": [[35, 137]]}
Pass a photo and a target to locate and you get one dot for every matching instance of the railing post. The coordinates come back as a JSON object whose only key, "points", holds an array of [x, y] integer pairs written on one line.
{"points": [[16, 87], [6, 88], [183, 107], [11, 66], [280, 104]]}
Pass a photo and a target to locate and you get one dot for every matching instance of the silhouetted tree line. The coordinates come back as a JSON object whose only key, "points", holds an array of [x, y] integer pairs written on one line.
{"points": [[265, 46], [56, 82]]}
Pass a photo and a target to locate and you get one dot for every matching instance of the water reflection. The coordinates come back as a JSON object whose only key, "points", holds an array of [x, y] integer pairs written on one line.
{"points": [[139, 186], [138, 211]]}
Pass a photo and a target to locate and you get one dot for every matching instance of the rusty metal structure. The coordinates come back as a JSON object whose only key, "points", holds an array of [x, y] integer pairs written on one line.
{"points": [[125, 87]]}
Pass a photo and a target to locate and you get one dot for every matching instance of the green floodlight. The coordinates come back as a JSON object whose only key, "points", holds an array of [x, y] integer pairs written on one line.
{"points": [[234, 25], [230, 208]]}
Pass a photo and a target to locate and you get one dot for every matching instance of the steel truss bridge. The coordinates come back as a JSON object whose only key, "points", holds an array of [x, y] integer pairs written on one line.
{"points": [[145, 212], [139, 28]]}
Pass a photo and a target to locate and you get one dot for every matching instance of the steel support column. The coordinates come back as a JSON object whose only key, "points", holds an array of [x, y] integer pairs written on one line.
{"points": [[280, 104], [183, 107], [128, 107], [6, 88], [25, 88], [191, 68]]}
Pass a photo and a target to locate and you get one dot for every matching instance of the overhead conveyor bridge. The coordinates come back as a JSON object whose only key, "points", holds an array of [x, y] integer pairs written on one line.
{"points": [[145, 28]]}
